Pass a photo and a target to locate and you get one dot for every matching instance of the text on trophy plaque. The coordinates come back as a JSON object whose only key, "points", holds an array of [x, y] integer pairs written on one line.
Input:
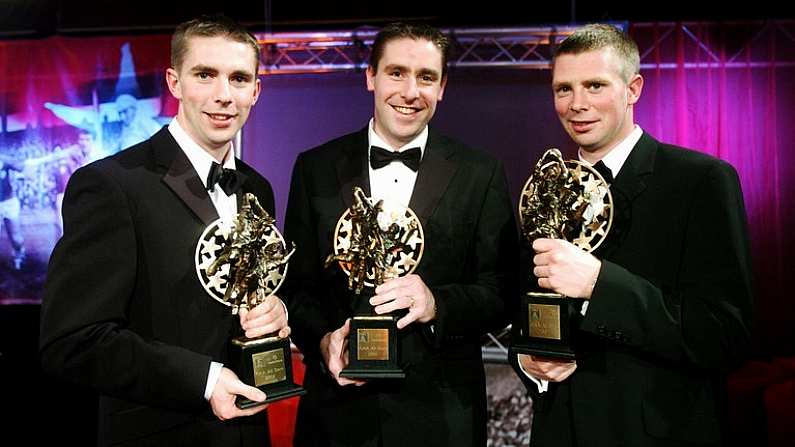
{"points": [[544, 321], [268, 367], [373, 344]]}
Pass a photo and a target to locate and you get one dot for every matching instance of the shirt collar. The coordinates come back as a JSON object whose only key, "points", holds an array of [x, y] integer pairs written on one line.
{"points": [[616, 157], [199, 158], [374, 140]]}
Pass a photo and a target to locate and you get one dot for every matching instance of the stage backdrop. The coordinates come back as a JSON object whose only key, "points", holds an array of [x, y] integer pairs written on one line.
{"points": [[67, 101]]}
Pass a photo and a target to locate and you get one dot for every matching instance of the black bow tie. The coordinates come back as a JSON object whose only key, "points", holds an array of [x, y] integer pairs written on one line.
{"points": [[380, 157], [602, 169], [228, 179]]}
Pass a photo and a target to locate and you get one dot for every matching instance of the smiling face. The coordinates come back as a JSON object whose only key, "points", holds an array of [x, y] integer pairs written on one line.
{"points": [[593, 101], [406, 85], [216, 86]]}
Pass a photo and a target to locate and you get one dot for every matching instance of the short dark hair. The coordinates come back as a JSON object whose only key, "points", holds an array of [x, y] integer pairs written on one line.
{"points": [[209, 26], [416, 31], [598, 36]]}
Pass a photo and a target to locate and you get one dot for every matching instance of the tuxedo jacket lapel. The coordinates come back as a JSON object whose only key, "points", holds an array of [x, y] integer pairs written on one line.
{"points": [[436, 171], [352, 167], [631, 179], [628, 185], [182, 178], [244, 188]]}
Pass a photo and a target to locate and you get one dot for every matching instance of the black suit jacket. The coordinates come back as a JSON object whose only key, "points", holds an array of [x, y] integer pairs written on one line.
{"points": [[669, 314], [123, 311], [462, 200]]}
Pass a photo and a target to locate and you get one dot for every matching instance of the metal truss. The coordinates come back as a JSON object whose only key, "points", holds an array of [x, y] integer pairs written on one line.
{"points": [[716, 44], [323, 52], [531, 48], [494, 346]]}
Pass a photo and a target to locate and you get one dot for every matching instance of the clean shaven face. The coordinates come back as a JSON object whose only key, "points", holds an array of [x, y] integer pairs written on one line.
{"points": [[593, 101], [406, 87], [216, 86]]}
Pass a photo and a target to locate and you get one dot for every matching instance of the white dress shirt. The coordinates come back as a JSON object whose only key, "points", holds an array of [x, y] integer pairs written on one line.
{"points": [[225, 205], [394, 182], [615, 159]]}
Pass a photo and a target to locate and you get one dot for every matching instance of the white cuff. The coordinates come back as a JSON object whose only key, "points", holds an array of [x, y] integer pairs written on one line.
{"points": [[286, 314], [542, 385], [212, 379]]}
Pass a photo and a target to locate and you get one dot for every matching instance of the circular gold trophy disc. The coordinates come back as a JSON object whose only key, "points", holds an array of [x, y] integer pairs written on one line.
{"points": [[211, 245], [567, 200], [392, 249]]}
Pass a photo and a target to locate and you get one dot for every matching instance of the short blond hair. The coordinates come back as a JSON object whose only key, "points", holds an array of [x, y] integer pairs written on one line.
{"points": [[598, 36]]}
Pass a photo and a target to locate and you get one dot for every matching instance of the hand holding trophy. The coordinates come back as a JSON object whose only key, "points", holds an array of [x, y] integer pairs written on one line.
{"points": [[566, 200], [240, 264], [372, 244]]}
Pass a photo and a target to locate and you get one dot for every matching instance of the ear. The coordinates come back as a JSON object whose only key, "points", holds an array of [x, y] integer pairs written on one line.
{"points": [[370, 75], [257, 89], [634, 89], [441, 90], [172, 80]]}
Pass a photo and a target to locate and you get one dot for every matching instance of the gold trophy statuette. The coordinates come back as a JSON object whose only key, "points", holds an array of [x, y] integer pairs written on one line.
{"points": [[240, 263], [374, 242], [562, 199]]}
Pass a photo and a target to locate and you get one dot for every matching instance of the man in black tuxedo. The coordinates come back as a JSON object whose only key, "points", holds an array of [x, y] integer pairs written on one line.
{"points": [[668, 294], [124, 312], [458, 291]]}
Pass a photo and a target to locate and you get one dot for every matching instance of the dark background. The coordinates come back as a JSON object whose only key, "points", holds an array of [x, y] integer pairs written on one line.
{"points": [[28, 18]]}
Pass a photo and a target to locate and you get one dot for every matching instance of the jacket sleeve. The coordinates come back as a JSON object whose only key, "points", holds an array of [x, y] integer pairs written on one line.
{"points": [[702, 318], [89, 297]]}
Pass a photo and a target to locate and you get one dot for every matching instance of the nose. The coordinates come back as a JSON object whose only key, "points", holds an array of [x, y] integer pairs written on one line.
{"points": [[410, 90], [223, 92], [579, 102]]}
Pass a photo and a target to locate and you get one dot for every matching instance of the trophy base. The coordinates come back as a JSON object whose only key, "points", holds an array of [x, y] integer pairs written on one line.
{"points": [[264, 363], [549, 350], [273, 395], [546, 325], [373, 349], [364, 374]]}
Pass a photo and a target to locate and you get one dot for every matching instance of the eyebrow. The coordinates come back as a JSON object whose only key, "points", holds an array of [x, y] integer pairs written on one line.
{"points": [[594, 80], [395, 67], [203, 68], [247, 75], [208, 69], [422, 71], [597, 79], [427, 71]]}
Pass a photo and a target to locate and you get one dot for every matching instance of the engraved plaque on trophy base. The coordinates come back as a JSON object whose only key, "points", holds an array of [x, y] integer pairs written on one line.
{"points": [[545, 326], [372, 347], [265, 363]]}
